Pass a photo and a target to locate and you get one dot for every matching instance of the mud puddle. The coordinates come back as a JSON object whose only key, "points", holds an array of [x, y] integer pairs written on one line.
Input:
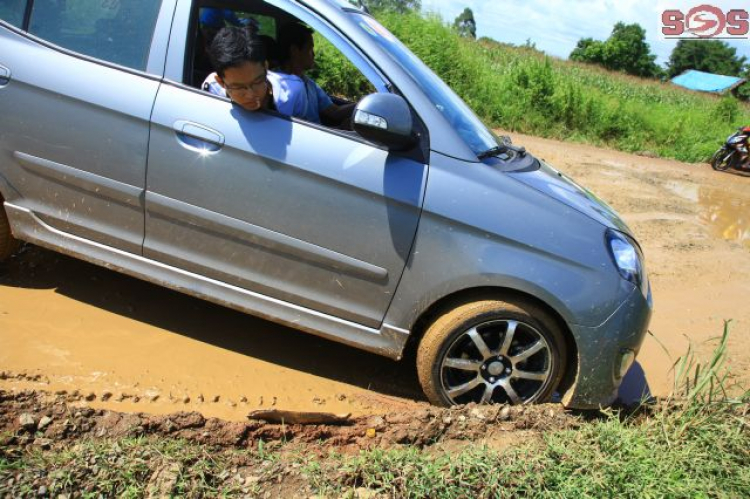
{"points": [[113, 341], [727, 215], [108, 341]]}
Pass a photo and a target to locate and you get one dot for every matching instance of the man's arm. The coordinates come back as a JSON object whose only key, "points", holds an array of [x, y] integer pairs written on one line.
{"points": [[338, 113], [331, 112]]}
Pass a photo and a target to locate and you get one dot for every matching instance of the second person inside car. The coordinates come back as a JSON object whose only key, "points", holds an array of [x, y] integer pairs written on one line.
{"points": [[295, 93]]}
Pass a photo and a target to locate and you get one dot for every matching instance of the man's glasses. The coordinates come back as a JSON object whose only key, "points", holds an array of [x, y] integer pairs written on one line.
{"points": [[259, 85]]}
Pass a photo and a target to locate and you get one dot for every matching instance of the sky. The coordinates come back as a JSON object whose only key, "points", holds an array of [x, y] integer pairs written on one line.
{"points": [[557, 25]]}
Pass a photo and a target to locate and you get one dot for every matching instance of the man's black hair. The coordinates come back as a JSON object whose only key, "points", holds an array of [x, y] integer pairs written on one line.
{"points": [[294, 34], [232, 46]]}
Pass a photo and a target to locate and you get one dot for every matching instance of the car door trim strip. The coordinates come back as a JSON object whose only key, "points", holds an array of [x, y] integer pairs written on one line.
{"points": [[92, 183], [227, 227]]}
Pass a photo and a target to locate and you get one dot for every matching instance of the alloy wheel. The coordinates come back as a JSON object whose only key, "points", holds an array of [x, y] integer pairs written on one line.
{"points": [[499, 361]]}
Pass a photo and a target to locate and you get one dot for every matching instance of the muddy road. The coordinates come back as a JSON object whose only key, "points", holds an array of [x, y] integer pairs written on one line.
{"points": [[119, 343]]}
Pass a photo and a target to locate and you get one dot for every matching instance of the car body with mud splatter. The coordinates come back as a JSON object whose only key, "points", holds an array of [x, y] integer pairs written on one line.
{"points": [[418, 228]]}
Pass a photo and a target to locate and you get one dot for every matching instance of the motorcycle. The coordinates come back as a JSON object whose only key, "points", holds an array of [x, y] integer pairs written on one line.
{"points": [[734, 153]]}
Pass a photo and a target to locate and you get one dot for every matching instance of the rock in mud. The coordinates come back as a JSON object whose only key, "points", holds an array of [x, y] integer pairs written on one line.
{"points": [[185, 420], [504, 414], [163, 481], [305, 418], [364, 493], [27, 421], [476, 413], [43, 443], [44, 422], [376, 422]]}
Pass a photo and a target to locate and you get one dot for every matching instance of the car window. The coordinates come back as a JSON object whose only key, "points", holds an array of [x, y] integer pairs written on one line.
{"points": [[459, 115], [117, 31], [337, 74], [12, 11], [340, 70]]}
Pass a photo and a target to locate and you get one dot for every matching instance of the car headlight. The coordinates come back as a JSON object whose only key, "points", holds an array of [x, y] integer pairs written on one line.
{"points": [[627, 258]]}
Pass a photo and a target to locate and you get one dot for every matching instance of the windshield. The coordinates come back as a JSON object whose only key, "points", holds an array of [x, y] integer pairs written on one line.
{"points": [[458, 114]]}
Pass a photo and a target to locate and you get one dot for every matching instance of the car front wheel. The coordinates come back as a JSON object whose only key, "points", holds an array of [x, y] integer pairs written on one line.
{"points": [[492, 352]]}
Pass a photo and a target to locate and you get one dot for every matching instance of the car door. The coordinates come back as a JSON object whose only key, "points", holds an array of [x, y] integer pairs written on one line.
{"points": [[298, 212], [80, 83]]}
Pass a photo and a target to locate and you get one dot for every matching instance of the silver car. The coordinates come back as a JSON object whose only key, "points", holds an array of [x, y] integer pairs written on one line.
{"points": [[419, 228]]}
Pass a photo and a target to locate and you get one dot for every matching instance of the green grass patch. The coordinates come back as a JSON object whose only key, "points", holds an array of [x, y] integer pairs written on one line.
{"points": [[665, 456], [132, 467], [695, 445]]}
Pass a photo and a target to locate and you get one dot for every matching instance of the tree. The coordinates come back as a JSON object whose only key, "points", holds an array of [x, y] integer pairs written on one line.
{"points": [[465, 24], [743, 92], [399, 6], [711, 56], [588, 50], [529, 44], [625, 50]]}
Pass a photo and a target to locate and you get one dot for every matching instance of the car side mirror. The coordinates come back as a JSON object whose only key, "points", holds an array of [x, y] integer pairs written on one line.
{"points": [[385, 119]]}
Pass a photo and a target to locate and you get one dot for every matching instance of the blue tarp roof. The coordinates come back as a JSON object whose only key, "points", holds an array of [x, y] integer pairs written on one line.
{"points": [[706, 82]]}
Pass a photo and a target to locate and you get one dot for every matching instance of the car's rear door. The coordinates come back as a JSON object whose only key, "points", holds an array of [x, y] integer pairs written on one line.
{"points": [[79, 79]]}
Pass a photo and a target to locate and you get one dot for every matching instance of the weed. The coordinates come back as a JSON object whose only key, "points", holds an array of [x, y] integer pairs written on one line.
{"points": [[694, 445]]}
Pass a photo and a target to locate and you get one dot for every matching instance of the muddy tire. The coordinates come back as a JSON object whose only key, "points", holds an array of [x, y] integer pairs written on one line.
{"points": [[492, 352], [8, 244]]}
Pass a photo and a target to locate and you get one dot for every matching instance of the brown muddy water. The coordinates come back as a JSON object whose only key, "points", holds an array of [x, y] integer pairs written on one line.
{"points": [[131, 346], [726, 215]]}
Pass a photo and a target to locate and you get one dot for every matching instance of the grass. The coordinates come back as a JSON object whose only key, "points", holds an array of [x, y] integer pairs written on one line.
{"points": [[129, 468], [519, 89], [668, 455], [697, 444]]}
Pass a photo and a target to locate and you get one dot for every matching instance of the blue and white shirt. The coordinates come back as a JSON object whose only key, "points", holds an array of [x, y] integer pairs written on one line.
{"points": [[212, 86], [298, 96]]}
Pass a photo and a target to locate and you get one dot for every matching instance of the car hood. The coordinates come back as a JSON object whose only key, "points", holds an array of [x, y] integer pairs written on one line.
{"points": [[544, 178]]}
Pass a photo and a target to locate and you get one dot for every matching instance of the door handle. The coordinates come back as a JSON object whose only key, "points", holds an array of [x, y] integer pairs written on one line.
{"points": [[4, 76], [197, 136]]}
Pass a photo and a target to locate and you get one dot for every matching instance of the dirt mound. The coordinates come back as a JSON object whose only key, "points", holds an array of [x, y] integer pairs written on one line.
{"points": [[43, 419]]}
